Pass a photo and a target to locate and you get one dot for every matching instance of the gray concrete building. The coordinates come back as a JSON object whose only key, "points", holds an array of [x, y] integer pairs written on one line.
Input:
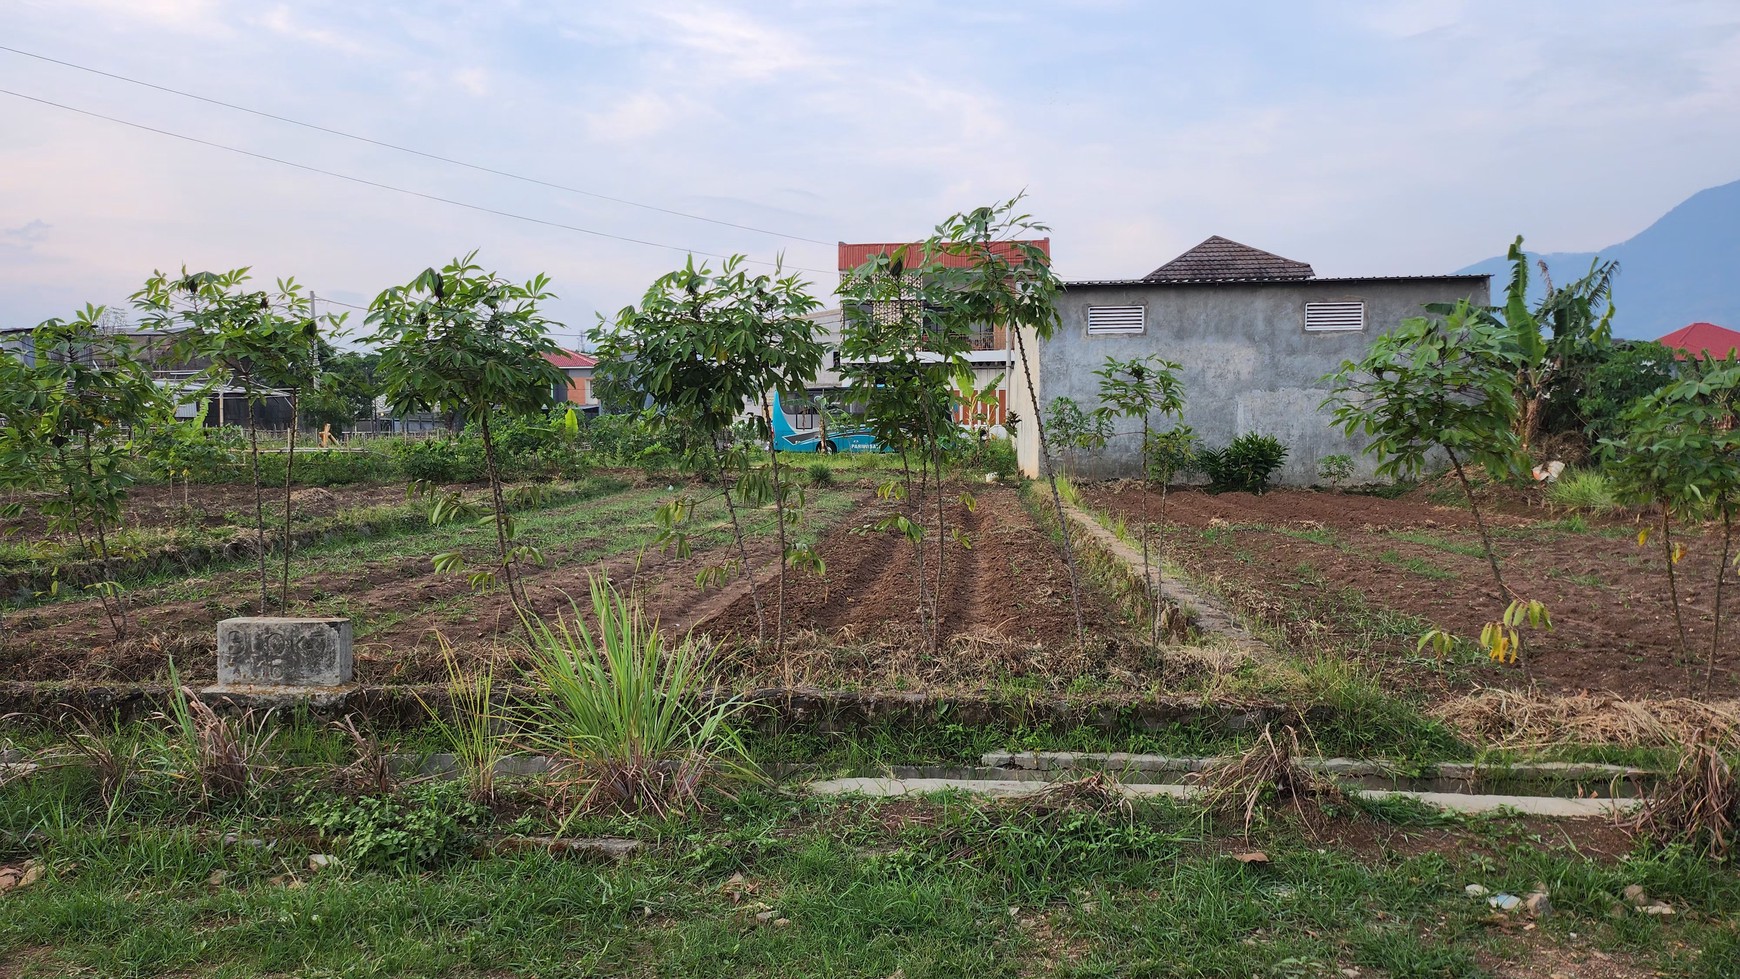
{"points": [[1254, 334]]}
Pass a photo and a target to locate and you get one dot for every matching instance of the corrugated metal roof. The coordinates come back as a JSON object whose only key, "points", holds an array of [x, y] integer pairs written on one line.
{"points": [[1163, 283]]}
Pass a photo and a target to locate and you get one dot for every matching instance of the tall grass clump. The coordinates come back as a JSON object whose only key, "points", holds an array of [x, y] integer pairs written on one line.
{"points": [[224, 756], [1584, 489], [472, 725], [626, 710]]}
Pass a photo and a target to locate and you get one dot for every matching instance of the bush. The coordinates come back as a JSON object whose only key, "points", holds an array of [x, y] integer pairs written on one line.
{"points": [[423, 827], [1244, 466], [441, 460], [821, 474], [1335, 469], [1171, 454], [975, 456], [329, 467], [1583, 489]]}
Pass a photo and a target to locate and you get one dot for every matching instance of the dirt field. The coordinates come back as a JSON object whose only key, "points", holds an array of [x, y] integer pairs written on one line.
{"points": [[1006, 608], [1356, 569]]}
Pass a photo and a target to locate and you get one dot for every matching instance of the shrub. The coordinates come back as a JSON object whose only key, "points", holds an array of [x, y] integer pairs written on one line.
{"points": [[1245, 465], [1583, 489], [626, 710], [1172, 453], [821, 474], [423, 827], [1335, 469], [441, 460], [329, 467]]}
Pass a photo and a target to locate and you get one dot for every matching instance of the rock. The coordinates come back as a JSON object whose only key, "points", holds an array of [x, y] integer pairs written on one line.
{"points": [[1539, 904], [320, 861], [1659, 907], [1505, 902], [781, 922], [237, 839], [217, 878], [1634, 894], [1255, 856], [766, 916], [1475, 890]]}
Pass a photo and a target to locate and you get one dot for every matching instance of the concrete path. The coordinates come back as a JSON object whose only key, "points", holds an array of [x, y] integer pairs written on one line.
{"points": [[1011, 788]]}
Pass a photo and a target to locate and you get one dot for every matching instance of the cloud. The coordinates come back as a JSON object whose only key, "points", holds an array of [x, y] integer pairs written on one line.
{"points": [[281, 21], [30, 232]]}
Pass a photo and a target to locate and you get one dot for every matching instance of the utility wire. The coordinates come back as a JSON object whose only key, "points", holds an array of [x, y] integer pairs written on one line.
{"points": [[397, 190], [414, 152]]}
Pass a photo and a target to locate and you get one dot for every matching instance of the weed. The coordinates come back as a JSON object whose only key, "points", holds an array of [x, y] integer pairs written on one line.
{"points": [[425, 826], [472, 734], [1698, 805], [222, 753], [1437, 543], [627, 711], [820, 474], [1585, 490], [1419, 566], [1266, 773]]}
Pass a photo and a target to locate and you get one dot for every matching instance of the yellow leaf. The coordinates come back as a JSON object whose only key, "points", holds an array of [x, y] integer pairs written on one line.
{"points": [[1642, 536], [1679, 551]]}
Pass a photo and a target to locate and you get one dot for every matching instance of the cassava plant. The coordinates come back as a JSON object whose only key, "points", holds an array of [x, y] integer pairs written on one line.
{"points": [[702, 347], [71, 414], [1142, 388], [1444, 385], [258, 341], [465, 340]]}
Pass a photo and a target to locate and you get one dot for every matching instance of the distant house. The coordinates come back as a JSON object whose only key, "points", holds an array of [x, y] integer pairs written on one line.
{"points": [[1254, 333], [578, 391], [1703, 341], [991, 351]]}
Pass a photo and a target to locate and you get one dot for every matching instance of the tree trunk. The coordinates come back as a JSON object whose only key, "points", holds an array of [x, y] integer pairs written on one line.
{"points": [[1148, 582], [1721, 576], [1505, 594], [1056, 497], [779, 523], [117, 615], [742, 549], [497, 503], [289, 465], [259, 500], [1667, 547]]}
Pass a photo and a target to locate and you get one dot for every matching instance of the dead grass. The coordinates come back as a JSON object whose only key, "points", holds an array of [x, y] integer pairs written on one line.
{"points": [[1698, 804], [1098, 793], [1520, 719], [1267, 773]]}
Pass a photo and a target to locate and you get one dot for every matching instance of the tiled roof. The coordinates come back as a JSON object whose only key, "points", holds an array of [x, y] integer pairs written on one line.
{"points": [[1127, 283], [853, 255], [572, 358], [1219, 259], [1704, 341]]}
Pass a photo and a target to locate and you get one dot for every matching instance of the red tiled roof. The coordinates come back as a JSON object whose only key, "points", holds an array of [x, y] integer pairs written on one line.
{"points": [[1703, 341], [852, 256], [1220, 258], [572, 358]]}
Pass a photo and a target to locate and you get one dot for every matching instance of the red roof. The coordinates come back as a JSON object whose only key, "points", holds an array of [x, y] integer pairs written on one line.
{"points": [[852, 256], [572, 358], [1703, 341]]}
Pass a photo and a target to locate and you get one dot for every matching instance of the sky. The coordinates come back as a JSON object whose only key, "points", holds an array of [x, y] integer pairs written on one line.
{"points": [[1367, 138]]}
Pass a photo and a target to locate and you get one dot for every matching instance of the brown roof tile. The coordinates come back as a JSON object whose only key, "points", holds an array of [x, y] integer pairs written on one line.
{"points": [[1223, 258]]}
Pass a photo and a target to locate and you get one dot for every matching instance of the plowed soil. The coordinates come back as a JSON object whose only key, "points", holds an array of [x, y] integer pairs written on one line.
{"points": [[1006, 607], [1330, 567]]}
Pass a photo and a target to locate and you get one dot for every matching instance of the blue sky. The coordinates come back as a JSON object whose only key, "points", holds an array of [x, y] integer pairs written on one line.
{"points": [[1365, 138]]}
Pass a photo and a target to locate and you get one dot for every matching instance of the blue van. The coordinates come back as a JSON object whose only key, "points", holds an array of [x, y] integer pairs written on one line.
{"points": [[788, 436]]}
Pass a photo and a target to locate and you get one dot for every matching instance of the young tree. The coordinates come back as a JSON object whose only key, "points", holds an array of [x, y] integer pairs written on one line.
{"points": [[262, 342], [464, 340], [1007, 280], [1142, 388], [1680, 449], [1447, 384], [703, 346], [1073, 429], [67, 421]]}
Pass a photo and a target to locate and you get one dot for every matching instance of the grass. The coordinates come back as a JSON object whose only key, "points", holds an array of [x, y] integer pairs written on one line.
{"points": [[1439, 543], [1419, 566], [1584, 490], [918, 888]]}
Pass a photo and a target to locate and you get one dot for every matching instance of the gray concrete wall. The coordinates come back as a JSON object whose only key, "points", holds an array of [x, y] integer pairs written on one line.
{"points": [[1248, 363]]}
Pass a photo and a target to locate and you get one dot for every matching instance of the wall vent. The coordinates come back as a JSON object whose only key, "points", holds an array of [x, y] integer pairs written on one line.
{"points": [[1108, 320], [1334, 317]]}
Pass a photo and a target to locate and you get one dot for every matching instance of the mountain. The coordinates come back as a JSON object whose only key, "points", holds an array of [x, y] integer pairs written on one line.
{"points": [[1682, 269]]}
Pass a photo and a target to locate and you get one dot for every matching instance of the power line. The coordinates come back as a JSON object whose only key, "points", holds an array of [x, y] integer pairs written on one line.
{"points": [[414, 152], [397, 190]]}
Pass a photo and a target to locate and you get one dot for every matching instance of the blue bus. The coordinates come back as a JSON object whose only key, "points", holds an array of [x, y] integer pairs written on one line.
{"points": [[793, 433]]}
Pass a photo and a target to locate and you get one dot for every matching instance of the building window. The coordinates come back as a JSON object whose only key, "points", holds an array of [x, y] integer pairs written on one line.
{"points": [[1334, 317], [1111, 320]]}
